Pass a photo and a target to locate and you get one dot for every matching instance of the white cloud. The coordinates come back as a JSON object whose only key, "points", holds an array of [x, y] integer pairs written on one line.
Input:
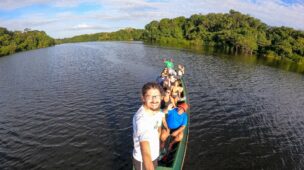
{"points": [[85, 26], [28, 21], [82, 26], [115, 14], [10, 5], [68, 3], [14, 4]]}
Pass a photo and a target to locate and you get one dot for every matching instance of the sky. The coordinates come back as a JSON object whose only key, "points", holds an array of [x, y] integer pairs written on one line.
{"points": [[67, 18]]}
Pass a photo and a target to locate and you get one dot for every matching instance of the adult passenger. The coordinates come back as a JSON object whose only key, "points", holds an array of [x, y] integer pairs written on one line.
{"points": [[162, 77], [170, 66], [146, 128], [176, 91], [172, 79], [167, 100], [180, 70], [166, 83], [176, 120]]}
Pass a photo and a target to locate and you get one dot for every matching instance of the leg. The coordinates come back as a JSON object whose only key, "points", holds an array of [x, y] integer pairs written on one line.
{"points": [[163, 137], [179, 137], [176, 139]]}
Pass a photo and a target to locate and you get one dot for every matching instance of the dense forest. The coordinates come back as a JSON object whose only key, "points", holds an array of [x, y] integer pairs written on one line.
{"points": [[128, 34], [15, 41], [232, 32]]}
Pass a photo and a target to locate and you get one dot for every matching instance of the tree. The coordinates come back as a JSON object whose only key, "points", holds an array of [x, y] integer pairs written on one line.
{"points": [[11, 42]]}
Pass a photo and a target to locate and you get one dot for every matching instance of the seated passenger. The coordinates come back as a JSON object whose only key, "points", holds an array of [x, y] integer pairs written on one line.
{"points": [[180, 70], [172, 79], [170, 66], [172, 72], [161, 78], [165, 72], [167, 100], [177, 119], [176, 91], [166, 83]]}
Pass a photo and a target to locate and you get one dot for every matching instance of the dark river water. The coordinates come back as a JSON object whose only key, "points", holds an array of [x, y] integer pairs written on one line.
{"points": [[71, 107]]}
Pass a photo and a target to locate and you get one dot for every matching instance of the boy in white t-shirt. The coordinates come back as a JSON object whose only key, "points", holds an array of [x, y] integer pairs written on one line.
{"points": [[146, 128]]}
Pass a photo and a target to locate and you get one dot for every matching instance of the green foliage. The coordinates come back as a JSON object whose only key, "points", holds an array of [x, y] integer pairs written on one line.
{"points": [[232, 31], [11, 42], [128, 34], [286, 42]]}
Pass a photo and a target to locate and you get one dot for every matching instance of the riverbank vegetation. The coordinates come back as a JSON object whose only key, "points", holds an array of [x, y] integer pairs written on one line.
{"points": [[231, 32], [16, 41], [128, 34]]}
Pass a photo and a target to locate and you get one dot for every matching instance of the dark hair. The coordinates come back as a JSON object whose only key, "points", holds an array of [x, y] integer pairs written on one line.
{"points": [[151, 85]]}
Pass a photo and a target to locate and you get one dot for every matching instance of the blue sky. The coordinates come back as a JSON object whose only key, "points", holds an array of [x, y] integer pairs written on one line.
{"points": [[59, 18]]}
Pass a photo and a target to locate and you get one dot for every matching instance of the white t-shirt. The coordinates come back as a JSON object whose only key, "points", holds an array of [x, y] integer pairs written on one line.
{"points": [[145, 128]]}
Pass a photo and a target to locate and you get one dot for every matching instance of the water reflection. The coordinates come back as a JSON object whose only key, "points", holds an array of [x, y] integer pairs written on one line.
{"points": [[276, 62]]}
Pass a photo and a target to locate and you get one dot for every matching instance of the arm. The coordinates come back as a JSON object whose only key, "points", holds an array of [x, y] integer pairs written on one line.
{"points": [[171, 106], [180, 90], [173, 102], [180, 129], [146, 155], [165, 124]]}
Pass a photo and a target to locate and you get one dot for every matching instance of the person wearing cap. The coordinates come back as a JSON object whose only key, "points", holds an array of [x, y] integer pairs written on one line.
{"points": [[177, 119]]}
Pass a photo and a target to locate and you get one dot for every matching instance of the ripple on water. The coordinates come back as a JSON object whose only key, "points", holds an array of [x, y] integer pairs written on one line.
{"points": [[73, 108]]}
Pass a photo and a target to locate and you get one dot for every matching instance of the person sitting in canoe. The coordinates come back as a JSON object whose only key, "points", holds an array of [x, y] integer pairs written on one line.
{"points": [[177, 119], [176, 91], [180, 70], [162, 77], [165, 72], [172, 79], [167, 100], [170, 66], [167, 84]]}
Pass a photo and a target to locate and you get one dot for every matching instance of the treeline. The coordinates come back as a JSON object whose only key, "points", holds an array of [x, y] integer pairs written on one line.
{"points": [[128, 34], [15, 41], [232, 32]]}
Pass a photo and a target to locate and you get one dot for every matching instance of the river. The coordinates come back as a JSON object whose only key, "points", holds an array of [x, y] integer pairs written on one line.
{"points": [[70, 107]]}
